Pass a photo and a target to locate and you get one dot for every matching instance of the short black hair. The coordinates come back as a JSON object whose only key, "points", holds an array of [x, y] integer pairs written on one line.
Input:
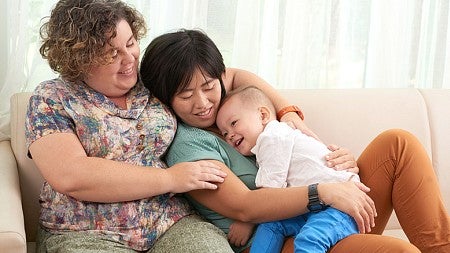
{"points": [[170, 60]]}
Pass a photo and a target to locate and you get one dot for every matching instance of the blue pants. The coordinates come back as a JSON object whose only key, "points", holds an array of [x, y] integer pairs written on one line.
{"points": [[313, 232]]}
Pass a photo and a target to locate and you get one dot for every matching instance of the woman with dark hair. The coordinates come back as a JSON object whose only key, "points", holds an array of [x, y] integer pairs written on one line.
{"points": [[195, 52], [185, 70]]}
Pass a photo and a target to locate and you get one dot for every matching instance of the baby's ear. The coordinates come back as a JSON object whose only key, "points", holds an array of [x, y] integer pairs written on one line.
{"points": [[265, 114]]}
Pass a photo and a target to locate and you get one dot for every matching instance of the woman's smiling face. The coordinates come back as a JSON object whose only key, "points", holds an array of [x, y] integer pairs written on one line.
{"points": [[120, 75], [197, 104]]}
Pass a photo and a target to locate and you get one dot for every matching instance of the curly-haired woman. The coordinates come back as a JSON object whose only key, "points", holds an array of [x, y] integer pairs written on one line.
{"points": [[97, 136]]}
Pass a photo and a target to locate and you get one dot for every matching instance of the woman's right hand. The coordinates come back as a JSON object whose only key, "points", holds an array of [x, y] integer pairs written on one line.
{"points": [[351, 198], [188, 176]]}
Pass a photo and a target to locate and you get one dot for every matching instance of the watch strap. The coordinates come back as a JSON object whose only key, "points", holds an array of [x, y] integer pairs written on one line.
{"points": [[291, 108], [315, 204]]}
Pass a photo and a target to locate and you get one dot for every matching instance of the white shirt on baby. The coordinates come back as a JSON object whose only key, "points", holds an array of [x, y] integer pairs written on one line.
{"points": [[287, 157]]}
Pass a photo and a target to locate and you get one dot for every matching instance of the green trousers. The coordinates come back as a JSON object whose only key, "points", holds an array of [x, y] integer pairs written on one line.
{"points": [[190, 234]]}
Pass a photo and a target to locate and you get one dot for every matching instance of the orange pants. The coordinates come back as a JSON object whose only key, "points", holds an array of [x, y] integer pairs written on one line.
{"points": [[397, 169]]}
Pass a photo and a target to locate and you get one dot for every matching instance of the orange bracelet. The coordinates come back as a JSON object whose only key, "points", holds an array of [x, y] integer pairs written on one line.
{"points": [[291, 108]]}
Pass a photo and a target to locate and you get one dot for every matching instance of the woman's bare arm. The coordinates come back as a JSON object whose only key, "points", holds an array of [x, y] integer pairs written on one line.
{"points": [[234, 200], [65, 166], [235, 78]]}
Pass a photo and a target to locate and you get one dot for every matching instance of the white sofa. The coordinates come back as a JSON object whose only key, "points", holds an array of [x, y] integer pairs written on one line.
{"points": [[350, 118]]}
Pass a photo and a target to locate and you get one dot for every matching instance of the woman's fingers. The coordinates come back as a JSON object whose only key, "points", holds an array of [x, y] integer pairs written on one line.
{"points": [[342, 163], [207, 175], [341, 159], [351, 198], [360, 218], [370, 206], [198, 175], [371, 210], [366, 209], [211, 169], [333, 147], [367, 215]]}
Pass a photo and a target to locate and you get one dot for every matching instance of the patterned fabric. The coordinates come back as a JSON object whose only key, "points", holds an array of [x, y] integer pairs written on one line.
{"points": [[139, 135]]}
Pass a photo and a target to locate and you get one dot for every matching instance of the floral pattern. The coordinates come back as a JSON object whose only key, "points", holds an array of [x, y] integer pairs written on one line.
{"points": [[139, 135]]}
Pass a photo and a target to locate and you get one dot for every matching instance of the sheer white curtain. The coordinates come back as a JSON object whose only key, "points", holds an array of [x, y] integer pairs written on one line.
{"points": [[409, 44], [22, 66], [290, 43], [346, 44]]}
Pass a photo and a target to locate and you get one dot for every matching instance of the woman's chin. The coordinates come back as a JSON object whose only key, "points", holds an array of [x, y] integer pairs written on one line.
{"points": [[204, 121], [201, 122]]}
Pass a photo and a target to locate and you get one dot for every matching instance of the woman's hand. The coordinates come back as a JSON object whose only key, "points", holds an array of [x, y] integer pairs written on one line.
{"points": [[341, 159], [294, 121], [350, 198], [187, 176]]}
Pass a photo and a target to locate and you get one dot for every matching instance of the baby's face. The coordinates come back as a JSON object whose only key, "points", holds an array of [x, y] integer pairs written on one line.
{"points": [[239, 124]]}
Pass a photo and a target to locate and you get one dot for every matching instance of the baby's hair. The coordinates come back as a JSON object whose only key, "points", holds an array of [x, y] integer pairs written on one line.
{"points": [[251, 95]]}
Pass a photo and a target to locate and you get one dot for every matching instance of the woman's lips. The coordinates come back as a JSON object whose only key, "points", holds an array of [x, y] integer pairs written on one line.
{"points": [[205, 114], [128, 71]]}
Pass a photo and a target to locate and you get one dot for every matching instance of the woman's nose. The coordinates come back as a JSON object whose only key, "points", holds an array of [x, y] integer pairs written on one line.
{"points": [[129, 57], [201, 100]]}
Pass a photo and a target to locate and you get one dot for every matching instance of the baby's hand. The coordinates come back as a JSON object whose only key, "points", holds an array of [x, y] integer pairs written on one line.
{"points": [[240, 232]]}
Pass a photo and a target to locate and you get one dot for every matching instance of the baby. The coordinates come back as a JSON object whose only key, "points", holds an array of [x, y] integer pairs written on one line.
{"points": [[286, 157]]}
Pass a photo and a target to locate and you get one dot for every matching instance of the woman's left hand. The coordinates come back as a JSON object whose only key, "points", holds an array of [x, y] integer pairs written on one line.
{"points": [[351, 198], [341, 159]]}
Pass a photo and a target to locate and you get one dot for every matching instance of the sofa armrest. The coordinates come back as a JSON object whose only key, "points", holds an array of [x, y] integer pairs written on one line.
{"points": [[12, 228]]}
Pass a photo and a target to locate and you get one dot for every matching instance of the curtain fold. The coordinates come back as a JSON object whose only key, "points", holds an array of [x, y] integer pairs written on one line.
{"points": [[290, 43], [24, 65]]}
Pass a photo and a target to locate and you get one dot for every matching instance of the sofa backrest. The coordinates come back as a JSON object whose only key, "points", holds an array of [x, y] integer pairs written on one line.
{"points": [[353, 117], [438, 108]]}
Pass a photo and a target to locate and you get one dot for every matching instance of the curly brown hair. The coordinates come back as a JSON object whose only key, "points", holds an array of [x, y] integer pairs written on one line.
{"points": [[77, 31]]}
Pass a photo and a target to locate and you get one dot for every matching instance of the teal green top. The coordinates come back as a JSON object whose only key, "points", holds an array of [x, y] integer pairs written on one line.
{"points": [[193, 144]]}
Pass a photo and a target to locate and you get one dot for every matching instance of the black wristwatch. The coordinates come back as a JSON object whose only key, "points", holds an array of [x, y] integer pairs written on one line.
{"points": [[315, 204]]}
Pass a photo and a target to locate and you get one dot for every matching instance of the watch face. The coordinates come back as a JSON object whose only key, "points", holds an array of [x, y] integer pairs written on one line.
{"points": [[315, 207]]}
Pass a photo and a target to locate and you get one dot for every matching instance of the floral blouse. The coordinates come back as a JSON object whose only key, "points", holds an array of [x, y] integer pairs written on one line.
{"points": [[138, 135]]}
